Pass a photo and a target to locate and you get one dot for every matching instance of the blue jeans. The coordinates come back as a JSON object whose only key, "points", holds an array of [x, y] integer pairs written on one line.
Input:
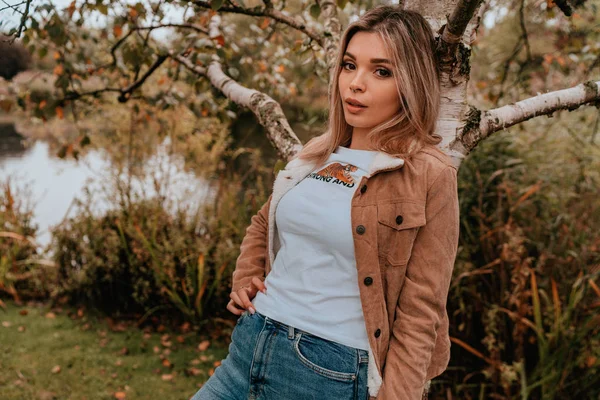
{"points": [[269, 360]]}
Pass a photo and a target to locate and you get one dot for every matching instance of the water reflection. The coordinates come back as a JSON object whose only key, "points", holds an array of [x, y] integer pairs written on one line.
{"points": [[53, 183]]}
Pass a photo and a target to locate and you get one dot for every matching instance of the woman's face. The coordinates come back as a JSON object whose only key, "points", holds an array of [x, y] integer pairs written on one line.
{"points": [[365, 70]]}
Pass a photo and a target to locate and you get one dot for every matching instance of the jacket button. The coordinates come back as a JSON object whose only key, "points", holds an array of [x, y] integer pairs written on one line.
{"points": [[363, 188], [378, 333], [368, 280], [399, 219], [360, 229]]}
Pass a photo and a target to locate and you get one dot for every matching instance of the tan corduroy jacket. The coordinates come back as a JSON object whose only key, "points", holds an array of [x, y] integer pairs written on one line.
{"points": [[405, 225]]}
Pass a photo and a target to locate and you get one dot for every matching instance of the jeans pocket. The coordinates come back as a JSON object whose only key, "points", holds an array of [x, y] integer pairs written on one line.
{"points": [[329, 359], [242, 316]]}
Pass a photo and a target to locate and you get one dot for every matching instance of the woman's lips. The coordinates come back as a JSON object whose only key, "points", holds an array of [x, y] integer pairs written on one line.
{"points": [[354, 109]]}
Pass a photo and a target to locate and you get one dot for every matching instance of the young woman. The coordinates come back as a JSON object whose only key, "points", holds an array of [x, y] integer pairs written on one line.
{"points": [[357, 242]]}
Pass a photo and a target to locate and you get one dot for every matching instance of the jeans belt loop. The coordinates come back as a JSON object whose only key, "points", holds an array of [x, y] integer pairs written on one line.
{"points": [[290, 332]]}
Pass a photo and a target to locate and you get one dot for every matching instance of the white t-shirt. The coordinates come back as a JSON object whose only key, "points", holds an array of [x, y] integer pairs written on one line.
{"points": [[313, 283]]}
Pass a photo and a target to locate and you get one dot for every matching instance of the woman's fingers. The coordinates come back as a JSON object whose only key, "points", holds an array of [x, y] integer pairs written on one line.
{"points": [[245, 301], [236, 298], [242, 298], [231, 306], [260, 285]]}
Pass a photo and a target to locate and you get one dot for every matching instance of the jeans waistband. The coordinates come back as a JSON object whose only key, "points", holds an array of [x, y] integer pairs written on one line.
{"points": [[291, 332]]}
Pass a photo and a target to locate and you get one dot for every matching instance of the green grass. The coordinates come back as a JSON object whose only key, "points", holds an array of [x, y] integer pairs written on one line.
{"points": [[92, 360]]}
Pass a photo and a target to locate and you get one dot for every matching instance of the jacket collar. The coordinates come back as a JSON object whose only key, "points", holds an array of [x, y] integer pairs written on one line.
{"points": [[381, 161]]}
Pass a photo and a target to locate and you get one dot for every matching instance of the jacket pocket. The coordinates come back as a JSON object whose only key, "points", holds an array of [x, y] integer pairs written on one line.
{"points": [[398, 224]]}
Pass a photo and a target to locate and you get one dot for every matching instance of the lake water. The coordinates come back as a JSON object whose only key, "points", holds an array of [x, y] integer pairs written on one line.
{"points": [[50, 184]]}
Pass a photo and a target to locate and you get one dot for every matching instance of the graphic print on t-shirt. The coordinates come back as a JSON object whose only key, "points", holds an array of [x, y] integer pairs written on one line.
{"points": [[336, 173]]}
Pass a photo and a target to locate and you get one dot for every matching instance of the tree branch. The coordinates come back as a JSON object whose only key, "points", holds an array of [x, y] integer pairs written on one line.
{"points": [[194, 27], [267, 110], [126, 93], [23, 21], [452, 32], [333, 29], [277, 15], [480, 125]]}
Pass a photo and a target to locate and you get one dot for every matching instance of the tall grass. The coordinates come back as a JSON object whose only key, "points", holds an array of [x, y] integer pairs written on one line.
{"points": [[22, 270]]}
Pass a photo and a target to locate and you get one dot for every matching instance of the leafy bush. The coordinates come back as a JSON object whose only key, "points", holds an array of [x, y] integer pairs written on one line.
{"points": [[524, 303], [141, 258]]}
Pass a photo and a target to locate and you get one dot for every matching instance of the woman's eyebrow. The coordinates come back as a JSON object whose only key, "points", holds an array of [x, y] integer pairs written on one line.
{"points": [[373, 60]]}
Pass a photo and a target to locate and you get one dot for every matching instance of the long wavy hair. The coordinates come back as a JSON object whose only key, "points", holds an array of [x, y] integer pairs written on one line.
{"points": [[410, 42]]}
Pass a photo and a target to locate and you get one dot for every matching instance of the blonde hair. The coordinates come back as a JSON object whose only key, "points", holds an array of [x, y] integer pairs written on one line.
{"points": [[411, 46]]}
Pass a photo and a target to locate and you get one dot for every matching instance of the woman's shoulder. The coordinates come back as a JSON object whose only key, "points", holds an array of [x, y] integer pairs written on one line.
{"points": [[430, 163], [434, 157]]}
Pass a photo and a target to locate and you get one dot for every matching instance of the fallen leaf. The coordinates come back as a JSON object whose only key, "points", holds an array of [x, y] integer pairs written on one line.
{"points": [[21, 328], [203, 345], [167, 363], [50, 315], [6, 324], [194, 371], [120, 395], [217, 363], [180, 339], [56, 369], [23, 312], [167, 377], [185, 327], [45, 395]]}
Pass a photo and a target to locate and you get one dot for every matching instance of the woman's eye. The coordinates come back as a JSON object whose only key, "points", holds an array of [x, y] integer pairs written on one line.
{"points": [[388, 73], [345, 63], [385, 71]]}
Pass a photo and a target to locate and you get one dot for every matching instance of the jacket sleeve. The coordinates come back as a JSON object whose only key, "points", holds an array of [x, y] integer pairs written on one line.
{"points": [[253, 250], [422, 302]]}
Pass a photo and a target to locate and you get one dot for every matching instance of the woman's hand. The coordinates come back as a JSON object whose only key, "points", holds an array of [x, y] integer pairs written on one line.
{"points": [[241, 300]]}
